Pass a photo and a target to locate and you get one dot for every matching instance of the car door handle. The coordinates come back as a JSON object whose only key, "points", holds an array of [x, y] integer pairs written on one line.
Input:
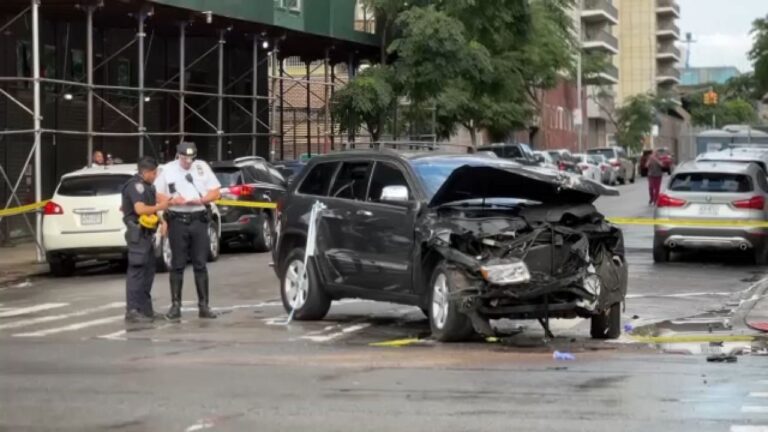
{"points": [[365, 213]]}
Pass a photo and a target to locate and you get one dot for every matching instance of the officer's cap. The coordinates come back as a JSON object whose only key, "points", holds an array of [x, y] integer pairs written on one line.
{"points": [[187, 149]]}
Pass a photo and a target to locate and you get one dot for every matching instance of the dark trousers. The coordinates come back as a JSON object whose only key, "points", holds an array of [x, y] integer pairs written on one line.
{"points": [[654, 186], [189, 242], [141, 271]]}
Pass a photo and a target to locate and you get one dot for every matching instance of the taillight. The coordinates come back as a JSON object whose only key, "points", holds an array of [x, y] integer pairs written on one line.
{"points": [[616, 163], [667, 201], [603, 168], [754, 203], [51, 208], [561, 166], [241, 190]]}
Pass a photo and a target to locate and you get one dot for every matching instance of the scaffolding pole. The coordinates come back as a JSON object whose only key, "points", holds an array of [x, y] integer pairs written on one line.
{"points": [[37, 125], [309, 110], [326, 95], [220, 108], [273, 117], [140, 40], [182, 78], [89, 78], [255, 92], [282, 110]]}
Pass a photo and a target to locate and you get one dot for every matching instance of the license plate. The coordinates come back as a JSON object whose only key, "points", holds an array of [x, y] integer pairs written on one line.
{"points": [[90, 219], [709, 210]]}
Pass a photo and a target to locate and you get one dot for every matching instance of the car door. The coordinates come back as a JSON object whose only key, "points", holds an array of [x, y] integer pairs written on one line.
{"points": [[339, 239], [386, 254]]}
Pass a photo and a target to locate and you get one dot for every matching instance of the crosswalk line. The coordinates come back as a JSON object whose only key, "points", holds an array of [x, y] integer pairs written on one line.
{"points": [[759, 394], [749, 428], [45, 319], [72, 327], [31, 309], [754, 409]]}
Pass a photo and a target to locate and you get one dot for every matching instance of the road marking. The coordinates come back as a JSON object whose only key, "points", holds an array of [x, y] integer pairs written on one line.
{"points": [[118, 335], [680, 295], [692, 338], [759, 394], [745, 428], [72, 327], [755, 409], [397, 343], [31, 309], [332, 336], [45, 319], [200, 425]]}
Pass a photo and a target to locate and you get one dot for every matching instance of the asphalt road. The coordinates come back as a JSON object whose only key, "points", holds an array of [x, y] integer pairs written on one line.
{"points": [[69, 363]]}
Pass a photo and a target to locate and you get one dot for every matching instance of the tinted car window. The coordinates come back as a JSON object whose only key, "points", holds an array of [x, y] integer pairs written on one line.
{"points": [[257, 172], [352, 181], [319, 179], [762, 181], [385, 174], [228, 176], [710, 182], [504, 151], [277, 178], [608, 153], [96, 185]]}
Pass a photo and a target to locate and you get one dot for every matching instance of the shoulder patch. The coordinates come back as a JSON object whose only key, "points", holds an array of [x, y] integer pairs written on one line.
{"points": [[200, 171], [139, 187]]}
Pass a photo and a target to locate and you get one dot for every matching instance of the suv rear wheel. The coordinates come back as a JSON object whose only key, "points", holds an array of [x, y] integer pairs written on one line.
{"points": [[660, 252], [62, 266], [761, 255], [607, 325], [304, 296], [262, 241], [448, 324], [213, 235]]}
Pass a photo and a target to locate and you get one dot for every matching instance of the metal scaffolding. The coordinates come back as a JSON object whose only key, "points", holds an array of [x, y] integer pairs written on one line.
{"points": [[280, 82]]}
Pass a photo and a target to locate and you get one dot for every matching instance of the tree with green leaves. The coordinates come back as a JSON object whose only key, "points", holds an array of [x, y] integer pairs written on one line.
{"points": [[366, 100], [759, 54]]}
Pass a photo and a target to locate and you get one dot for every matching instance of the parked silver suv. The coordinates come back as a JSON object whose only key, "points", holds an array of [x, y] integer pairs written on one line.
{"points": [[719, 191], [619, 160]]}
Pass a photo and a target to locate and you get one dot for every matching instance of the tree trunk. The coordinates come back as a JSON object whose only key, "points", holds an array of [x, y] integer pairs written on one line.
{"points": [[473, 135]]}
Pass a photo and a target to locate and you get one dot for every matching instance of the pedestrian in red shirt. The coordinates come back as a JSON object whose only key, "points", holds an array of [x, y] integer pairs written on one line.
{"points": [[655, 173]]}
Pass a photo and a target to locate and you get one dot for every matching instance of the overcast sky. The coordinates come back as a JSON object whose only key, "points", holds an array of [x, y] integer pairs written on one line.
{"points": [[721, 29]]}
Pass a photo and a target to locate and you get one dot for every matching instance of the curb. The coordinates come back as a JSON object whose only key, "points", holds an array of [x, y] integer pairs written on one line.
{"points": [[16, 277]]}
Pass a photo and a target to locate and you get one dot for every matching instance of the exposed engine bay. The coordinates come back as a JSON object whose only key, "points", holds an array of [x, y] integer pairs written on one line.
{"points": [[531, 261]]}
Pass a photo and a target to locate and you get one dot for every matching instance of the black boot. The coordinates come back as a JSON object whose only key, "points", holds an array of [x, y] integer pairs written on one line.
{"points": [[201, 283], [174, 313]]}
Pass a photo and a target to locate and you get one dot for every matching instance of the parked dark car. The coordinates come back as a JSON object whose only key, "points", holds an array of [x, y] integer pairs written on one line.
{"points": [[249, 179], [465, 238], [667, 161], [521, 153]]}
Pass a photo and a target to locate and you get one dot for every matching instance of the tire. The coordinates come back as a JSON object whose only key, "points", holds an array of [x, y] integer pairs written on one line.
{"points": [[213, 234], [660, 253], [448, 324], [62, 267], [262, 241], [761, 255], [164, 256], [315, 303], [607, 325]]}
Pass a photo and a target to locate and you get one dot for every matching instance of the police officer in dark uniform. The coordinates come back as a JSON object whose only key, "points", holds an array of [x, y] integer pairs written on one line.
{"points": [[190, 186], [140, 208]]}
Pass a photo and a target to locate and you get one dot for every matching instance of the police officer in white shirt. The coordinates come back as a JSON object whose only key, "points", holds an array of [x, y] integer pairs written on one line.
{"points": [[191, 187]]}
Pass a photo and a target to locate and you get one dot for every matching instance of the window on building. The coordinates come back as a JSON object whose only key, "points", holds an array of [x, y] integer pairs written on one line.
{"points": [[294, 5], [24, 61], [77, 65], [365, 19], [49, 65], [124, 74]]}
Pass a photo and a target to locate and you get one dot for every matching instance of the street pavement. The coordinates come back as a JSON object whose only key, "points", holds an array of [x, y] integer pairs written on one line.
{"points": [[69, 363]]}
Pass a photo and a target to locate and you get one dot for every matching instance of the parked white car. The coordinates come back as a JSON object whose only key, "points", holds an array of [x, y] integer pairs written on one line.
{"points": [[545, 159], [609, 175], [588, 166], [84, 220]]}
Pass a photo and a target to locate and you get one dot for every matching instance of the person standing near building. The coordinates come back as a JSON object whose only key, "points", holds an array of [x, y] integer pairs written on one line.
{"points": [[140, 208], [190, 186], [98, 158], [655, 174]]}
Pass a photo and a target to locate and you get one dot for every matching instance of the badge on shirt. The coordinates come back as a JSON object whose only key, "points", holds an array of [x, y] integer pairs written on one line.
{"points": [[139, 188], [200, 171]]}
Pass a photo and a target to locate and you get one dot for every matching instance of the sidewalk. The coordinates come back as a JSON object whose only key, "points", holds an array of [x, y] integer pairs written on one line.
{"points": [[18, 262], [757, 317]]}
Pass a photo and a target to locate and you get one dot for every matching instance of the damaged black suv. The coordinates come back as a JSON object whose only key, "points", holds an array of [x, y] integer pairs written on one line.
{"points": [[467, 239]]}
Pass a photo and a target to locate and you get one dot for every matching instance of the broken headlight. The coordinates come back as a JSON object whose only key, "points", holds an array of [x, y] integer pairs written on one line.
{"points": [[506, 274]]}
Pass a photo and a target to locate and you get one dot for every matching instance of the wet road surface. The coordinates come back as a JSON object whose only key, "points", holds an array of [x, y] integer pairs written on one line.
{"points": [[68, 362]]}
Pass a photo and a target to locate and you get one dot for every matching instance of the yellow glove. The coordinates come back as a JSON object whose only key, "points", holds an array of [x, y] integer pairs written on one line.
{"points": [[149, 221]]}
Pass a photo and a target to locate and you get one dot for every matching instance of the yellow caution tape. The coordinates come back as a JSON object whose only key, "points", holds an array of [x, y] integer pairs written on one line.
{"points": [[249, 204], [23, 209], [395, 343], [715, 223]]}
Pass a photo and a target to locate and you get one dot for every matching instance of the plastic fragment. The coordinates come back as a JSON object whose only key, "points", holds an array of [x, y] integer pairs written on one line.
{"points": [[565, 356], [722, 358], [628, 328]]}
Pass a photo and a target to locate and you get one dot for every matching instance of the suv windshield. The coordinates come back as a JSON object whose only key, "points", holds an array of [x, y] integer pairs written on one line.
{"points": [[710, 182], [608, 153], [94, 185]]}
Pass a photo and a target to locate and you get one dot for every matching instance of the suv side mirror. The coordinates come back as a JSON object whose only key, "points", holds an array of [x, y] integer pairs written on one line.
{"points": [[394, 194]]}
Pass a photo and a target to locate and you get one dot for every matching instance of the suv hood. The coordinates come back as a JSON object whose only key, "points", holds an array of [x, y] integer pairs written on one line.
{"points": [[515, 181]]}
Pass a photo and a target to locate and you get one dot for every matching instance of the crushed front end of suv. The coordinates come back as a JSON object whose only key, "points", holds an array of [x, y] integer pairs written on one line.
{"points": [[467, 239]]}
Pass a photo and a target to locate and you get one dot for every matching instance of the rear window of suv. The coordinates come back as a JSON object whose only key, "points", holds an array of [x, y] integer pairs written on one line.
{"points": [[318, 180], [711, 182], [228, 176], [95, 185]]}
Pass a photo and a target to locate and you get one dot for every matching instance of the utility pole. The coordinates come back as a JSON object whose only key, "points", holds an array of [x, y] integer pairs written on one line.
{"points": [[579, 115]]}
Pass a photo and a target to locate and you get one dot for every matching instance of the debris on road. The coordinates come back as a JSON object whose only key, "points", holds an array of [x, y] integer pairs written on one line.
{"points": [[722, 358], [565, 356]]}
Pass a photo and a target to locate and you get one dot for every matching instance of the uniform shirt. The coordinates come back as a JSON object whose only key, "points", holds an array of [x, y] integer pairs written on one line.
{"points": [[136, 190], [173, 180]]}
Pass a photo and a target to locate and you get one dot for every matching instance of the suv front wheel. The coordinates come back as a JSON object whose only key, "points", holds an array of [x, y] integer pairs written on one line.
{"points": [[448, 324], [305, 295]]}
